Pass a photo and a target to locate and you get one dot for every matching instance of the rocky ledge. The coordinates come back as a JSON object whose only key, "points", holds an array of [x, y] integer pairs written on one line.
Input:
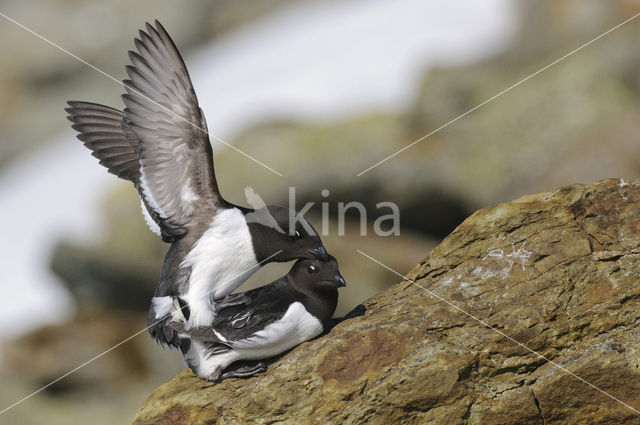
{"points": [[549, 286]]}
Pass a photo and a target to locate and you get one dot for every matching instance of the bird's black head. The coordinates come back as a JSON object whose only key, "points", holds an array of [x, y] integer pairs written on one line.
{"points": [[317, 273], [317, 282], [279, 235]]}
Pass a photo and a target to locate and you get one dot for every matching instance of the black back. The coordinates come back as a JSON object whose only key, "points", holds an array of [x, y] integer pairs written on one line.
{"points": [[313, 283]]}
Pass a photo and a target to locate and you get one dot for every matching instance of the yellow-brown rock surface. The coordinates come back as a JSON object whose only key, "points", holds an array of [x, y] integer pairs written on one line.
{"points": [[558, 272]]}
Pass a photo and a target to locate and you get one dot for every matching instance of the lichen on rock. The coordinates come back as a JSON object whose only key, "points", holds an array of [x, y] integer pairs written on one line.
{"points": [[550, 333]]}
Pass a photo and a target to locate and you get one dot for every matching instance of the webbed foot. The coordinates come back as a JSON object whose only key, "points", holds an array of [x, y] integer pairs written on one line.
{"points": [[243, 371], [214, 376]]}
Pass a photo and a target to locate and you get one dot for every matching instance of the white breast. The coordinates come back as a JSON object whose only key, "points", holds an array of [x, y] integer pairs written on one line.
{"points": [[220, 261], [295, 327]]}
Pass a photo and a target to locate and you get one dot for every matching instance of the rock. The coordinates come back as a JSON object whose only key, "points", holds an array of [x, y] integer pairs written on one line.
{"points": [[555, 273]]}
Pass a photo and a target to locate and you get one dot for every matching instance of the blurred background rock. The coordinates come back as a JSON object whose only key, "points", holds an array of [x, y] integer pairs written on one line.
{"points": [[575, 122]]}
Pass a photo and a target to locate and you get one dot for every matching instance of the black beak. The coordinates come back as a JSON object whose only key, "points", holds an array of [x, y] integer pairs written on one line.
{"points": [[320, 253], [338, 280]]}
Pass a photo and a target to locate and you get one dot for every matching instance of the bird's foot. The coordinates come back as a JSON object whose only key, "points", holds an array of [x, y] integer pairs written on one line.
{"points": [[214, 376], [244, 371]]}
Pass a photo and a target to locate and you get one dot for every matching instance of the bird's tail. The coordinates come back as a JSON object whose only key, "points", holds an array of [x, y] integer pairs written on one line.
{"points": [[162, 311]]}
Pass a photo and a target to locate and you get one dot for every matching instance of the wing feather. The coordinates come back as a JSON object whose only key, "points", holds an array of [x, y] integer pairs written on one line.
{"points": [[177, 175], [105, 132], [160, 141]]}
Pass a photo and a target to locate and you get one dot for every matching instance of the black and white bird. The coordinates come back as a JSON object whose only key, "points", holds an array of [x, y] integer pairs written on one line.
{"points": [[270, 320], [160, 143]]}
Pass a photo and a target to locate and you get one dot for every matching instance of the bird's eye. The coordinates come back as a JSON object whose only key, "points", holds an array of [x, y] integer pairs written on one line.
{"points": [[297, 234], [311, 269]]}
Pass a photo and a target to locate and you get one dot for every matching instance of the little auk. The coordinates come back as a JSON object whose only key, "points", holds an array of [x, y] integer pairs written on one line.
{"points": [[159, 142], [270, 320]]}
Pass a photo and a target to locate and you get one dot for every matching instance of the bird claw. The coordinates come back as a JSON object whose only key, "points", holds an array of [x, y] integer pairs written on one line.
{"points": [[215, 376]]}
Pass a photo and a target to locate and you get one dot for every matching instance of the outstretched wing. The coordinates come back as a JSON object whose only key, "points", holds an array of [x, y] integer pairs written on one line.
{"points": [[176, 161], [105, 132]]}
